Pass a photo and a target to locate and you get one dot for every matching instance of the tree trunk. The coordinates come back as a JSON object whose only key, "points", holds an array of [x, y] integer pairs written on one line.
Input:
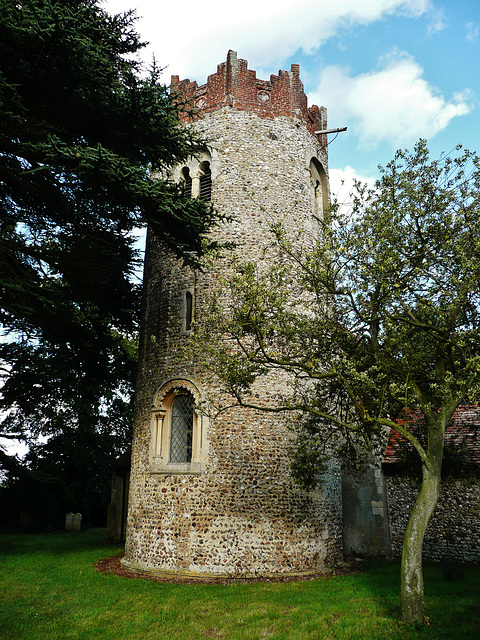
{"points": [[411, 594]]}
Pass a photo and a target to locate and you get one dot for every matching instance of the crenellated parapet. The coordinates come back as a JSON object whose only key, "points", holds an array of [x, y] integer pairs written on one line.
{"points": [[235, 85]]}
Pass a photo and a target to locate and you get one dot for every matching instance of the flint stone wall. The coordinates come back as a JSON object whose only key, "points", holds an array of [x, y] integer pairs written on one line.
{"points": [[454, 530], [243, 513]]}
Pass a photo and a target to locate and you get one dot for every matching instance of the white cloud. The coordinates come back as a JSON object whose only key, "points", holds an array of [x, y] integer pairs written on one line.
{"points": [[393, 103], [437, 21], [193, 37], [472, 31], [342, 182]]}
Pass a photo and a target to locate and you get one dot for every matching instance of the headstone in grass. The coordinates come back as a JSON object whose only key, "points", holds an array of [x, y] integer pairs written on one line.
{"points": [[69, 522], [77, 522], [73, 521]]}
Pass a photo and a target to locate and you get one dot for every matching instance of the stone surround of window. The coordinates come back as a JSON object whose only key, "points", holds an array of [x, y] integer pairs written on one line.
{"points": [[197, 174], [161, 431]]}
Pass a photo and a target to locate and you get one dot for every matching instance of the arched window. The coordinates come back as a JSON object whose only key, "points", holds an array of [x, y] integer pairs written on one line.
{"points": [[181, 429], [178, 430], [188, 310], [205, 181], [319, 182], [186, 178], [197, 174]]}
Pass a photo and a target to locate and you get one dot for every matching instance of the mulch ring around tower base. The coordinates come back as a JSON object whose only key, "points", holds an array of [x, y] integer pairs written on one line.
{"points": [[113, 566]]}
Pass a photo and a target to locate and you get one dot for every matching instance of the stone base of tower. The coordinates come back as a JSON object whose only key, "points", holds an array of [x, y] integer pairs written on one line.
{"points": [[244, 553], [201, 528], [242, 514], [207, 577]]}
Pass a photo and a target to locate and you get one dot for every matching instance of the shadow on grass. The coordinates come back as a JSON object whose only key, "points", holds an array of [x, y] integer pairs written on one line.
{"points": [[55, 542], [452, 607]]}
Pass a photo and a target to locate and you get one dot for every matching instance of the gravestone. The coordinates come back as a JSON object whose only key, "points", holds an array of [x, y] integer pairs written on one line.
{"points": [[77, 522], [69, 522], [73, 521]]}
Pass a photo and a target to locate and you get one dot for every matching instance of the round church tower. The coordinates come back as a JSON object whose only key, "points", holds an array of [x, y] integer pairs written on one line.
{"points": [[213, 496]]}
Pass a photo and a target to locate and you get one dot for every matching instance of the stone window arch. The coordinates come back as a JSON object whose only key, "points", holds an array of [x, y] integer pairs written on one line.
{"points": [[197, 174], [178, 430], [205, 187], [186, 179], [319, 189]]}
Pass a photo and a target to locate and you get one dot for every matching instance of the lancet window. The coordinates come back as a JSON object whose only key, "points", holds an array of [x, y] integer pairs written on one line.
{"points": [[319, 186]]}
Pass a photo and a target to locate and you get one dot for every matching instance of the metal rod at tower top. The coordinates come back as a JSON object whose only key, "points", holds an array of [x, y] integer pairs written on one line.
{"points": [[323, 131]]}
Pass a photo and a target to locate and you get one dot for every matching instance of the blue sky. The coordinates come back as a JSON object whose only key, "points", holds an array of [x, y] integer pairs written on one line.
{"points": [[390, 70]]}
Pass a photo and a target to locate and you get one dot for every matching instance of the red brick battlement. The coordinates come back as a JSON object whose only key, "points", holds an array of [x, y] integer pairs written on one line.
{"points": [[235, 85]]}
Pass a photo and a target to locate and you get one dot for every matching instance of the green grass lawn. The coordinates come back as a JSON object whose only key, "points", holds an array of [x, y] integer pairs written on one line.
{"points": [[50, 590]]}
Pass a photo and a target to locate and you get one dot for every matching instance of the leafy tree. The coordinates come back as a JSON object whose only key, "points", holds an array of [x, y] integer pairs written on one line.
{"points": [[380, 317], [85, 136]]}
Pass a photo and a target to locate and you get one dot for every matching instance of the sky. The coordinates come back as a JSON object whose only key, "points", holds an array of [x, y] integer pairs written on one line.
{"points": [[392, 71]]}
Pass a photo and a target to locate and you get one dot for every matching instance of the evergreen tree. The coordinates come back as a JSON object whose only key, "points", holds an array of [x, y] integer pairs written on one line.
{"points": [[86, 135]]}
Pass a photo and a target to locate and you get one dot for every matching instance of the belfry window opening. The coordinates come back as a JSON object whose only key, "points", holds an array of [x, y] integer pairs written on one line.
{"points": [[205, 181], [196, 179], [187, 180]]}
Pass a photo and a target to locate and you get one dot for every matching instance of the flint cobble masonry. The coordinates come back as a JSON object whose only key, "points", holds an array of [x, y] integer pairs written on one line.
{"points": [[235, 509], [453, 533]]}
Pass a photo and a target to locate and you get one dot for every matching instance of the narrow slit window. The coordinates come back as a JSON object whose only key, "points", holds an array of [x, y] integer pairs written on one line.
{"points": [[188, 310], [318, 193], [181, 433], [319, 182]]}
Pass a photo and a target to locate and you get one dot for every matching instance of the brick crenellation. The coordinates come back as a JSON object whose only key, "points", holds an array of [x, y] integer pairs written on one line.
{"points": [[237, 86]]}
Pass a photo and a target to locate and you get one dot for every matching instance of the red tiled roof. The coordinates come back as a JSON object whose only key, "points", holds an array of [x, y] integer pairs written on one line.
{"points": [[462, 431]]}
